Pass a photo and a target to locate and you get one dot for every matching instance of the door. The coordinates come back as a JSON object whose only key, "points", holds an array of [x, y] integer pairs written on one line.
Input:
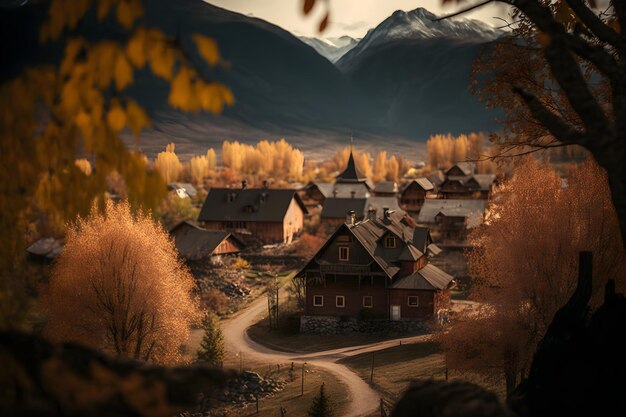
{"points": [[395, 312]]}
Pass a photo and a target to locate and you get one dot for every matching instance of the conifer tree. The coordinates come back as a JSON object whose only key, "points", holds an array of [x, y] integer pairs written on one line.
{"points": [[321, 406], [212, 346]]}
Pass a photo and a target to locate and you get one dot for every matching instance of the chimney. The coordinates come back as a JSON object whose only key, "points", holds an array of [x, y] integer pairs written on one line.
{"points": [[371, 214], [266, 184], [386, 213], [352, 194], [351, 217], [244, 184]]}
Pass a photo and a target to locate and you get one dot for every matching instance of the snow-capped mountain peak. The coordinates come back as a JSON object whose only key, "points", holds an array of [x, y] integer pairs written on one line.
{"points": [[331, 48]]}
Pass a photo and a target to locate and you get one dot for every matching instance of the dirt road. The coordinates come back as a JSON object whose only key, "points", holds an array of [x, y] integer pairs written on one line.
{"points": [[364, 400]]}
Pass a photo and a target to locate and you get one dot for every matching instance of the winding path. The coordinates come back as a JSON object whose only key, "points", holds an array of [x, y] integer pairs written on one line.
{"points": [[363, 399]]}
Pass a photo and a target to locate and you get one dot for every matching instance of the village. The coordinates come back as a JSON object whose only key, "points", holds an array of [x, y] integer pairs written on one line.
{"points": [[339, 208]]}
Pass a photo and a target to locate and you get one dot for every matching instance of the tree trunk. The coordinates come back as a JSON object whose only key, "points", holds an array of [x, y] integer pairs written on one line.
{"points": [[510, 377]]}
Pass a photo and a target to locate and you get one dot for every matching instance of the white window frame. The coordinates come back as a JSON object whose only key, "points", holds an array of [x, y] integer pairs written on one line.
{"points": [[316, 304], [342, 298], [347, 257], [408, 302], [371, 301], [391, 239]]}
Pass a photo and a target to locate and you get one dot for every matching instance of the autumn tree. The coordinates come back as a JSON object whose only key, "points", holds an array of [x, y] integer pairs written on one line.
{"points": [[119, 286], [558, 78], [524, 263], [212, 349], [54, 113], [168, 164], [380, 166], [199, 168], [174, 209], [393, 169]]}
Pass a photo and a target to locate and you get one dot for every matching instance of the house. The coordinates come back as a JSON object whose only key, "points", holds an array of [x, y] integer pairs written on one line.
{"points": [[452, 217], [269, 215], [195, 243], [413, 195], [386, 189], [315, 193], [462, 181], [183, 189], [375, 268]]}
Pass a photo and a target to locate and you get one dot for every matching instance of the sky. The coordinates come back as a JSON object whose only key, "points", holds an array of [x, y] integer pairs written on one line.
{"points": [[347, 17]]}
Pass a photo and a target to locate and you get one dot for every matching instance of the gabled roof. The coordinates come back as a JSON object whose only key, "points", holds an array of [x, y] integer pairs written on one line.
{"points": [[423, 183], [427, 278], [334, 208], [370, 235], [484, 181], [249, 205], [467, 168], [473, 210], [342, 190], [339, 207], [194, 242], [437, 178], [351, 173]]}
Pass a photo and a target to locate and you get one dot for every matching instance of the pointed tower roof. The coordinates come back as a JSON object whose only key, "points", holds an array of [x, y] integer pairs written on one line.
{"points": [[350, 174]]}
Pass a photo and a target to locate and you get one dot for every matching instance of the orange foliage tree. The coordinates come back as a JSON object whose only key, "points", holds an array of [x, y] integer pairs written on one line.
{"points": [[524, 263], [120, 287], [168, 164]]}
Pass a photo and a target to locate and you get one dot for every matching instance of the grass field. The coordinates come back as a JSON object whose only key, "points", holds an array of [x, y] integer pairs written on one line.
{"points": [[396, 367]]}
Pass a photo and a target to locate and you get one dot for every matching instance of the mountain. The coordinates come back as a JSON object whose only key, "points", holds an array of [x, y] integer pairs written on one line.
{"points": [[331, 48], [412, 73], [420, 24], [396, 86]]}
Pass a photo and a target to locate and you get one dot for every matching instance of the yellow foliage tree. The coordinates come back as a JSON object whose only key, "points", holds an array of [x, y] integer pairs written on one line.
{"points": [[199, 168], [119, 286], [49, 112], [380, 166], [393, 169], [168, 164]]}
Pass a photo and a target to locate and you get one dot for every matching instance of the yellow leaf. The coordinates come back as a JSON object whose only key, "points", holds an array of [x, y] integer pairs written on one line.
{"points": [[72, 47], [135, 49], [123, 72], [207, 47], [104, 6], [137, 117], [162, 60], [83, 121], [116, 118], [128, 11], [180, 92]]}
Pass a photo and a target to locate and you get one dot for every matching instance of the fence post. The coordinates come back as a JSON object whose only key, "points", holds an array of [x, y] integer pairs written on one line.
{"points": [[372, 371], [302, 388]]}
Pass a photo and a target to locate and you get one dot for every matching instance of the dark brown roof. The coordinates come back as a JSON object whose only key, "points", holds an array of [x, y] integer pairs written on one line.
{"points": [[351, 173], [335, 208], [466, 168], [194, 243], [248, 205], [427, 278], [370, 232]]}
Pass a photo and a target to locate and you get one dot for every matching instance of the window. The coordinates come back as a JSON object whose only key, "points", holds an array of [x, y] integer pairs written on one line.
{"points": [[318, 301], [344, 253], [390, 242], [340, 301], [413, 301], [367, 301]]}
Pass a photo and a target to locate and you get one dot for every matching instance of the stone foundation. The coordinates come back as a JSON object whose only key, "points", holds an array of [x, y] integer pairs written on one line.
{"points": [[328, 325]]}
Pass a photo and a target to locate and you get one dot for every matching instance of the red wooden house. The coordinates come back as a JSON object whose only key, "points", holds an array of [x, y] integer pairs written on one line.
{"points": [[378, 267]]}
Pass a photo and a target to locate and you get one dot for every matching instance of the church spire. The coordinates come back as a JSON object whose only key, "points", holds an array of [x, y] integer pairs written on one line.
{"points": [[350, 174]]}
